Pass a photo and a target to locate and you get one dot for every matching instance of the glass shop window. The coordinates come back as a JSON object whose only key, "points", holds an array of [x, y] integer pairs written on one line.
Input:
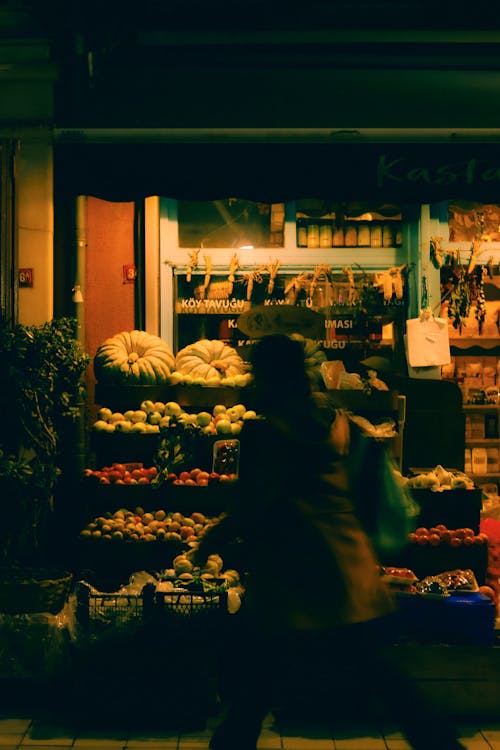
{"points": [[231, 223], [468, 221], [326, 224]]}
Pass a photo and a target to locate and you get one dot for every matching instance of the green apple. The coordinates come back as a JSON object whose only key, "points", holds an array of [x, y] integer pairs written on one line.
{"points": [[233, 414], [104, 413], [218, 409], [147, 406], [154, 417], [236, 428], [203, 418], [242, 380], [139, 427], [229, 381], [214, 381], [123, 426], [110, 427], [151, 427], [249, 414], [159, 406], [210, 429], [129, 415], [139, 416], [223, 427], [100, 425], [164, 422], [172, 409], [240, 408], [198, 381], [175, 378]]}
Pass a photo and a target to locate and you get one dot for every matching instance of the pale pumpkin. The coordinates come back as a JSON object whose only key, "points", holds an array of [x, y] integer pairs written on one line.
{"points": [[314, 356], [135, 358], [210, 360]]}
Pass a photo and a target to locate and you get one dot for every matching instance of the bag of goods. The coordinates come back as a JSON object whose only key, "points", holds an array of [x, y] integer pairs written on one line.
{"points": [[399, 580]]}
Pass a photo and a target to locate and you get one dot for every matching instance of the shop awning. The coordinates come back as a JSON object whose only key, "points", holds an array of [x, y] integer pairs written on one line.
{"points": [[405, 173]]}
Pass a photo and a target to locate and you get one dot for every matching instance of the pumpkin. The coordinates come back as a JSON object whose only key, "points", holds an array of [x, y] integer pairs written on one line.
{"points": [[135, 358], [209, 361], [314, 356]]}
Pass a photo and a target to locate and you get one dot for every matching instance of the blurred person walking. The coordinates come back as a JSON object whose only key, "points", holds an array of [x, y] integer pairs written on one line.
{"points": [[312, 585]]}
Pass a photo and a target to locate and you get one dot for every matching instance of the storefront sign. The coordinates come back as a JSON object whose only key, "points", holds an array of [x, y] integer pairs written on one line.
{"points": [[402, 172], [194, 306]]}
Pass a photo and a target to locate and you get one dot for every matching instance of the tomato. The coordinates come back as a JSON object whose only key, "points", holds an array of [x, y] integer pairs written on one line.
{"points": [[434, 540], [422, 539], [143, 480], [422, 531], [184, 475], [455, 541]]}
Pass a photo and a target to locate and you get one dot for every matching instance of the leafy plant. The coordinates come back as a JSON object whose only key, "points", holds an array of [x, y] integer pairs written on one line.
{"points": [[41, 389]]}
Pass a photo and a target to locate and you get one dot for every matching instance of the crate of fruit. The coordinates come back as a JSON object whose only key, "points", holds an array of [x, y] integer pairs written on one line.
{"points": [[180, 607], [103, 614]]}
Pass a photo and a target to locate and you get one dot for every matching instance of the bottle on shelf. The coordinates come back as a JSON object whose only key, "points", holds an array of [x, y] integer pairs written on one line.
{"points": [[376, 235], [301, 233], [313, 235], [325, 234], [363, 234]]}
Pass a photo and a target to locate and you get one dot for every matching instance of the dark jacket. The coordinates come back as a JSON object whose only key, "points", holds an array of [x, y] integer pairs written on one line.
{"points": [[307, 560]]}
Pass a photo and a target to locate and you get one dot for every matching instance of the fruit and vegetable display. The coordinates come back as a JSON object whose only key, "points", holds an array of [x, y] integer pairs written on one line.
{"points": [[439, 479], [211, 362], [133, 357], [122, 473], [440, 535], [446, 583], [142, 526], [153, 417]]}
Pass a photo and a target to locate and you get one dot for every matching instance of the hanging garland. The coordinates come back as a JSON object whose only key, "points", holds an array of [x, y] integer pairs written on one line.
{"points": [[462, 286]]}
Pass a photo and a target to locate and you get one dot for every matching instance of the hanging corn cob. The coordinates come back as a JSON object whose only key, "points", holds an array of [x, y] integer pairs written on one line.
{"points": [[293, 288], [390, 282], [351, 295], [250, 279], [192, 265], [436, 252], [208, 273], [273, 272], [234, 265]]}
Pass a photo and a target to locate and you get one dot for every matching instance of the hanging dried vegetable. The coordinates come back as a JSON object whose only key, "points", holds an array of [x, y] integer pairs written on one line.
{"points": [[462, 287], [250, 279], [192, 265], [351, 299], [273, 272], [455, 289], [436, 252], [234, 265], [480, 311]]}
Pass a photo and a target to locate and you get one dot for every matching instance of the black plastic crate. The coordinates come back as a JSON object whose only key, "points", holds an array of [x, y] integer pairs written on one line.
{"points": [[188, 609], [108, 614]]}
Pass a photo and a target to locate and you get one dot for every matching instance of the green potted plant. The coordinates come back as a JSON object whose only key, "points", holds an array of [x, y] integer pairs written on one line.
{"points": [[41, 392]]}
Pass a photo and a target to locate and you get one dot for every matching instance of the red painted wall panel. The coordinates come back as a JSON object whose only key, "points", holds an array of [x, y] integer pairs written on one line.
{"points": [[109, 302]]}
